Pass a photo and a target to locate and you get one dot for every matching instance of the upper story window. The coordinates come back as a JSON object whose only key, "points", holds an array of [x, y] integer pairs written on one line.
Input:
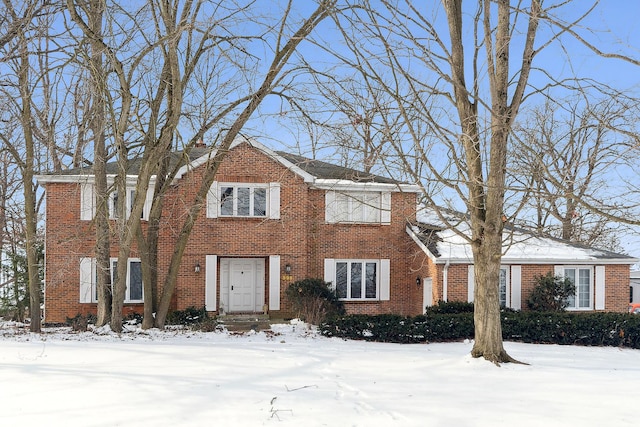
{"points": [[358, 207], [241, 200], [88, 202], [244, 200]]}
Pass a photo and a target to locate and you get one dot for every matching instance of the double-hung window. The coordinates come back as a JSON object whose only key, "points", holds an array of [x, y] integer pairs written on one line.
{"points": [[88, 280], [582, 278], [243, 200], [357, 279], [358, 207], [503, 287]]}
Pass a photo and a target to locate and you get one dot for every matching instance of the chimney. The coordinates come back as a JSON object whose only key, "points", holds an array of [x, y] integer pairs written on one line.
{"points": [[200, 144]]}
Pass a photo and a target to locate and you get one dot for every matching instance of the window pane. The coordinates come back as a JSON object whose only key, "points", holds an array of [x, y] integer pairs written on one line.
{"points": [[260, 202], [341, 279], [342, 207], [357, 208], [226, 201], [243, 201], [135, 280], [570, 273], [370, 284], [503, 287], [372, 208], [584, 287], [114, 211], [356, 280]]}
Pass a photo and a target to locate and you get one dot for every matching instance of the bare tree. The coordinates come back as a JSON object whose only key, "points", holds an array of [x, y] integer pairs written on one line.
{"points": [[451, 72], [566, 150]]}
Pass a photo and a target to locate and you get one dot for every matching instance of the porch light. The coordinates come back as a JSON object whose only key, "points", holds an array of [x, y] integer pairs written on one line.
{"points": [[287, 268], [418, 281], [197, 267]]}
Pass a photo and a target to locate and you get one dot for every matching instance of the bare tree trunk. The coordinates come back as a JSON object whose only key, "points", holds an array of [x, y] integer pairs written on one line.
{"points": [[29, 190], [211, 167]]}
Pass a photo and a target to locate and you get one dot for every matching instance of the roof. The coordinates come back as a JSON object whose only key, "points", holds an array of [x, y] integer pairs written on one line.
{"points": [[324, 170], [318, 173], [444, 244]]}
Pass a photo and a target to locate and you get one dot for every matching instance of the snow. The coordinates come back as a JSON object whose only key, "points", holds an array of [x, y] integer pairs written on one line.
{"points": [[292, 376], [519, 245]]}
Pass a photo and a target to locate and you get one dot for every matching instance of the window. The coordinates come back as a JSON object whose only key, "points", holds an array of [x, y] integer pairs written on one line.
{"points": [[357, 280], [88, 280], [246, 201], [113, 204], [582, 279], [358, 207], [503, 287]]}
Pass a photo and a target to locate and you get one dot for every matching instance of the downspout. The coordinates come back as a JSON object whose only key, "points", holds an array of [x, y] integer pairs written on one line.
{"points": [[445, 278]]}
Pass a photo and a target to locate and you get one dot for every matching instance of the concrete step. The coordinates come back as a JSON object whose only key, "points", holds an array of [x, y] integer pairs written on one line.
{"points": [[245, 322]]}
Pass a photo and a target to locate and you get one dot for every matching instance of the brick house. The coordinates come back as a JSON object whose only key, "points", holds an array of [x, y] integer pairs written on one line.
{"points": [[273, 218], [601, 277]]}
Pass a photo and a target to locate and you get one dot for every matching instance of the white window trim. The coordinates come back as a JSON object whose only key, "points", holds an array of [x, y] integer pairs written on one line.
{"points": [[559, 271], [507, 272], [363, 262], [272, 199], [381, 212], [89, 266]]}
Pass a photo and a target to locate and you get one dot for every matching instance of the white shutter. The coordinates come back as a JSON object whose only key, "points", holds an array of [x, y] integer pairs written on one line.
{"points": [[330, 272], [558, 270], [471, 280], [87, 273], [385, 206], [212, 201], [385, 280], [274, 282], [600, 287], [211, 286], [516, 287], [274, 200], [87, 202], [330, 214], [427, 293], [147, 202]]}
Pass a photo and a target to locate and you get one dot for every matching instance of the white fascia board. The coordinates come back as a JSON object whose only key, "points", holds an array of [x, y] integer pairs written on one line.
{"points": [[131, 180], [545, 261], [421, 245], [348, 185]]}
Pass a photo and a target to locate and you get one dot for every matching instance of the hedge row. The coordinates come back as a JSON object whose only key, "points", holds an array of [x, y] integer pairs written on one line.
{"points": [[592, 329]]}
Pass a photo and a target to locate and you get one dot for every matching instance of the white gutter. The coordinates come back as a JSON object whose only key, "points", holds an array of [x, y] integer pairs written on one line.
{"points": [[347, 185]]}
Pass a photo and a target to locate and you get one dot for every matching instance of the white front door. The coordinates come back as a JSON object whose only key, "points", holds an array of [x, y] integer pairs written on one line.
{"points": [[242, 281]]}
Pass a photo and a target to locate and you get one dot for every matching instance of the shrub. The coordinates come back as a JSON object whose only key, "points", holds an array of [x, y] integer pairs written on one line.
{"points": [[551, 293], [450, 307], [314, 300], [80, 323], [187, 317]]}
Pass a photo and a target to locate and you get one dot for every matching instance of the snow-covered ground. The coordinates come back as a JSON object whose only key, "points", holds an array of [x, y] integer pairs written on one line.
{"points": [[291, 376]]}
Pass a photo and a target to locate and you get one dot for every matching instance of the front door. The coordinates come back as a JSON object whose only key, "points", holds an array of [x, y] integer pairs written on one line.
{"points": [[242, 282]]}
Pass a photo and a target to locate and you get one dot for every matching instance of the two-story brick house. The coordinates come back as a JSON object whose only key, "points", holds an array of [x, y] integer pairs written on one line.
{"points": [[273, 218]]}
